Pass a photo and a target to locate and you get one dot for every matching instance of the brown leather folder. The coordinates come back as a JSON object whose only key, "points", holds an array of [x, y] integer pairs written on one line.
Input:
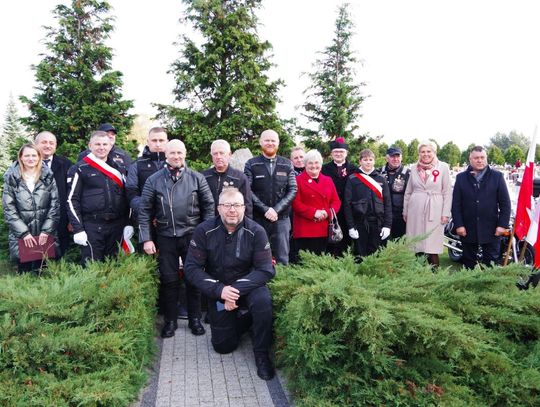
{"points": [[38, 252]]}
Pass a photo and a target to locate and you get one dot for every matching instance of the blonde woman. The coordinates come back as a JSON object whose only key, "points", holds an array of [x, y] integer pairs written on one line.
{"points": [[428, 202], [30, 201]]}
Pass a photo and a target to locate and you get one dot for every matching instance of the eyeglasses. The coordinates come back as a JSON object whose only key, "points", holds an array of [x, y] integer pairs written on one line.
{"points": [[228, 206]]}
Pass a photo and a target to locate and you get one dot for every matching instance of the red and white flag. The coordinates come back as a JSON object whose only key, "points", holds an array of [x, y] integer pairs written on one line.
{"points": [[533, 237], [522, 221]]}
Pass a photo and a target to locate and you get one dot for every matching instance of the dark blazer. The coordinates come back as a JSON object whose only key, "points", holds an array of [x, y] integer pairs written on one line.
{"points": [[480, 207], [60, 166]]}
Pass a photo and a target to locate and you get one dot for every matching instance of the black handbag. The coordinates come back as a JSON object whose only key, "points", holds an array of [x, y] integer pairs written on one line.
{"points": [[335, 234]]}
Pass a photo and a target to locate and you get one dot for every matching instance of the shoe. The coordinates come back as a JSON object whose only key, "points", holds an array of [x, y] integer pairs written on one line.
{"points": [[265, 369], [182, 312], [168, 329], [196, 327]]}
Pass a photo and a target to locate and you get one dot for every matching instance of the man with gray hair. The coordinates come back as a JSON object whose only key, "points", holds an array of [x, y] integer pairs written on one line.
{"points": [[46, 143], [176, 199], [222, 175], [273, 183], [97, 204]]}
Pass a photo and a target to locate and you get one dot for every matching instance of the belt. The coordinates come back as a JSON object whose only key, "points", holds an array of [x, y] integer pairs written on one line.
{"points": [[102, 217]]}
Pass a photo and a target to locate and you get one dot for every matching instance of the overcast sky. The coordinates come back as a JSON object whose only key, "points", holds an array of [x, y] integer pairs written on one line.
{"points": [[450, 70]]}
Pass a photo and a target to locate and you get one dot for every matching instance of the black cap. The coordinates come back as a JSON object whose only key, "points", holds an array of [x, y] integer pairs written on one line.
{"points": [[339, 143], [107, 127], [393, 151]]}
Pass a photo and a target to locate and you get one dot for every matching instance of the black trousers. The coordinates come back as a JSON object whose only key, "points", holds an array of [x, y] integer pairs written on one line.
{"points": [[398, 226], [315, 245], [170, 249], [491, 253], [254, 310], [104, 239], [369, 239], [338, 249]]}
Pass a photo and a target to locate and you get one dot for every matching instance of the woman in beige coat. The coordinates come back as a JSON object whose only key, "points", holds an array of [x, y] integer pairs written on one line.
{"points": [[428, 201]]}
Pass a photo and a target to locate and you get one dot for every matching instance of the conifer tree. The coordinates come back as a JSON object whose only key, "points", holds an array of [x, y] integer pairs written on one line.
{"points": [[222, 86], [13, 135], [334, 96], [77, 89]]}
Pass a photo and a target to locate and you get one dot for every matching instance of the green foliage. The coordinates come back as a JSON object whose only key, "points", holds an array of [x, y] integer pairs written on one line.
{"points": [[77, 89], [222, 87], [412, 152], [495, 155], [504, 141], [405, 151], [392, 332], [77, 336], [465, 154], [333, 97], [13, 136], [450, 153], [514, 153]]}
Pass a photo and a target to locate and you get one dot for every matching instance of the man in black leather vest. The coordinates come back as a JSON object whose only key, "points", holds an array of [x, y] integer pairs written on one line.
{"points": [[273, 183]]}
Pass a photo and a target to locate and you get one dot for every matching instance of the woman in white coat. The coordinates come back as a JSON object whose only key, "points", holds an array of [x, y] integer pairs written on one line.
{"points": [[428, 202]]}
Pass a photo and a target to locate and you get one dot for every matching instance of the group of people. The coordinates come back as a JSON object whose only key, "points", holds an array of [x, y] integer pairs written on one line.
{"points": [[225, 229]]}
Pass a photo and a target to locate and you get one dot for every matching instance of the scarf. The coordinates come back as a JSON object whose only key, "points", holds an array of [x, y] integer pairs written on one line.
{"points": [[424, 170]]}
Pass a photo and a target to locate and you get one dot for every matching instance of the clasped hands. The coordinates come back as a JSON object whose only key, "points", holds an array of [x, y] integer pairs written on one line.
{"points": [[230, 294], [320, 215]]}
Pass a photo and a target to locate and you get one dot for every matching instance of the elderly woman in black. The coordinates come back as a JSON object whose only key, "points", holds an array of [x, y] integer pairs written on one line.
{"points": [[30, 202]]}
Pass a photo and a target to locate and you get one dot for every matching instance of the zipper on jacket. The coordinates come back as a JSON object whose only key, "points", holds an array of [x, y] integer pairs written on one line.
{"points": [[171, 206]]}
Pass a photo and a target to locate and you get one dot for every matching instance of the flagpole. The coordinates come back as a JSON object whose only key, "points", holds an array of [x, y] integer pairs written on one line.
{"points": [[522, 252], [507, 254]]}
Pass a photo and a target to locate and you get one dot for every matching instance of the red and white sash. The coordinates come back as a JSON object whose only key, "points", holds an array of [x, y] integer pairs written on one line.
{"points": [[371, 184], [105, 169]]}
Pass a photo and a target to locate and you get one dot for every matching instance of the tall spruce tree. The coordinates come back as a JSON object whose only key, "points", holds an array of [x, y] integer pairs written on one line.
{"points": [[13, 135], [334, 96], [76, 86], [222, 87]]}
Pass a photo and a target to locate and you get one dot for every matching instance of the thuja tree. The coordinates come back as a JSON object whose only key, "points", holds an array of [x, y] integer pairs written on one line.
{"points": [[76, 87], [333, 98], [12, 136], [222, 87]]}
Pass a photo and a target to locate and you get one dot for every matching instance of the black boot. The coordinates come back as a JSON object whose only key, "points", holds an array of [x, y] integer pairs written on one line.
{"points": [[265, 369], [168, 329], [196, 327]]}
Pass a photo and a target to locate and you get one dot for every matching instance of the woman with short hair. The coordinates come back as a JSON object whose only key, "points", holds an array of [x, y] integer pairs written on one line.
{"points": [[315, 198], [428, 202], [30, 202]]}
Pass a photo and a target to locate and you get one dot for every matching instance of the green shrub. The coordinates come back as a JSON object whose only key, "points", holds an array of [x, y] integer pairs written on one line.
{"points": [[77, 336], [392, 332]]}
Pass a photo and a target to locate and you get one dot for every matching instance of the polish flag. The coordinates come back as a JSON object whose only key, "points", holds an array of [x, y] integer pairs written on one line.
{"points": [[533, 237], [522, 221]]}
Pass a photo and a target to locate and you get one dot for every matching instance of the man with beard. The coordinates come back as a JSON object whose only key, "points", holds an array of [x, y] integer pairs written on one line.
{"points": [[176, 199], [339, 170], [59, 165], [229, 259], [273, 183], [396, 176], [480, 209], [222, 175]]}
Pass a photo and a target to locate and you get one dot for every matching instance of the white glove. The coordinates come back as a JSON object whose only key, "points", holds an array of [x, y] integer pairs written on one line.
{"points": [[385, 232], [81, 238], [128, 232], [353, 233]]}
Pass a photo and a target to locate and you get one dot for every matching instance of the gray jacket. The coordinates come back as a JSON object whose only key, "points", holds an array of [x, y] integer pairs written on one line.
{"points": [[29, 212], [178, 207]]}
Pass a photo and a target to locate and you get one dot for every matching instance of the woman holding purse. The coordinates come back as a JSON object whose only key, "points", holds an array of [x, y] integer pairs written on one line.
{"points": [[30, 202], [312, 207]]}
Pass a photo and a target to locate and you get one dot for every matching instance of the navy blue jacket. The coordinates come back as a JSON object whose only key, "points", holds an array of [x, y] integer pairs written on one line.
{"points": [[480, 207]]}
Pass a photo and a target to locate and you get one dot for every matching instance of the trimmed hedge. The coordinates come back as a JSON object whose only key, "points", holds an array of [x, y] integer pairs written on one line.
{"points": [[77, 337], [391, 332]]}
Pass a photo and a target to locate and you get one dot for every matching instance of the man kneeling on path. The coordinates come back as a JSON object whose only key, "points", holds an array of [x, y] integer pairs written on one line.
{"points": [[230, 261]]}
